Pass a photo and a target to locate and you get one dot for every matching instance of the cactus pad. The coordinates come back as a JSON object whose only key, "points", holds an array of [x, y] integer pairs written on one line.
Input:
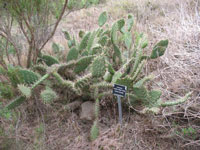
{"points": [[26, 91], [94, 133], [116, 76], [72, 54], [16, 102], [49, 60], [84, 42], [127, 81], [67, 35], [56, 48], [130, 22], [120, 24], [91, 41], [179, 101], [98, 67], [114, 33], [102, 19], [159, 49], [140, 92], [83, 63], [110, 68], [28, 76], [128, 39], [108, 77], [81, 34], [117, 53], [103, 40], [83, 81], [154, 97], [48, 96]]}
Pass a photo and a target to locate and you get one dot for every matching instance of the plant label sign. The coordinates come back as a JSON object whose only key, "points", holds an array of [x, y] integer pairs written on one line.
{"points": [[119, 90]]}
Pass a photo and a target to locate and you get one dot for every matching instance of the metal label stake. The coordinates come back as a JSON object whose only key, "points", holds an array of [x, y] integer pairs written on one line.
{"points": [[119, 91], [119, 109]]}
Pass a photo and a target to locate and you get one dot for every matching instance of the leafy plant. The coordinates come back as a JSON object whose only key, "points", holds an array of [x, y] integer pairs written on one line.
{"points": [[37, 21]]}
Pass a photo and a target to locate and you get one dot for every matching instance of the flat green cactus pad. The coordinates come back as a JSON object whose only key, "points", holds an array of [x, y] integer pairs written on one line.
{"points": [[28, 76], [108, 77], [127, 81], [130, 22], [159, 49], [84, 42], [72, 54], [154, 97], [98, 67], [102, 19], [140, 92], [49, 60], [83, 63], [16, 102]]}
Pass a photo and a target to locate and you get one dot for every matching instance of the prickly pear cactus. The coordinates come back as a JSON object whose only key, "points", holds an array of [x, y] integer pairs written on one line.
{"points": [[48, 95], [102, 19], [83, 63], [101, 58], [72, 54], [83, 80], [98, 67], [84, 42], [26, 91], [16, 102], [94, 133], [49, 60], [28, 76], [159, 49]]}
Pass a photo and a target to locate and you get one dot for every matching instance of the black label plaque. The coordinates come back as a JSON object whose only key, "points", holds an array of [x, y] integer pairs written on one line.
{"points": [[119, 90]]}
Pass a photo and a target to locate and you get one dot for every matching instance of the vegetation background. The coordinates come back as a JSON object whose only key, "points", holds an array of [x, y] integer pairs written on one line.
{"points": [[177, 72]]}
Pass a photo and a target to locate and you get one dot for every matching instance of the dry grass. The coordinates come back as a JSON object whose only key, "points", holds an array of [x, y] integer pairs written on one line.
{"points": [[176, 73]]}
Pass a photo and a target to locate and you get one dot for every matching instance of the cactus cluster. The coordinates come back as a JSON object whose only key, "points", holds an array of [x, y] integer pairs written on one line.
{"points": [[26, 90], [117, 55], [100, 59]]}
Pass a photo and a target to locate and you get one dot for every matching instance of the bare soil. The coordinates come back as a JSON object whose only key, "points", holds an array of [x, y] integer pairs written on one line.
{"points": [[40, 127]]}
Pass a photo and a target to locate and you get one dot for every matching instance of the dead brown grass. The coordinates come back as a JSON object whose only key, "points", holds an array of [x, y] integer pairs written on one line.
{"points": [[176, 73]]}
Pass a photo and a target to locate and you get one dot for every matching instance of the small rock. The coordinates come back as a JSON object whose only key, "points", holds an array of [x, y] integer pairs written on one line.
{"points": [[87, 111], [72, 106]]}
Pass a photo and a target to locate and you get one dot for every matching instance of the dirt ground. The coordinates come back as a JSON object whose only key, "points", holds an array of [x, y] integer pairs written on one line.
{"points": [[177, 72]]}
